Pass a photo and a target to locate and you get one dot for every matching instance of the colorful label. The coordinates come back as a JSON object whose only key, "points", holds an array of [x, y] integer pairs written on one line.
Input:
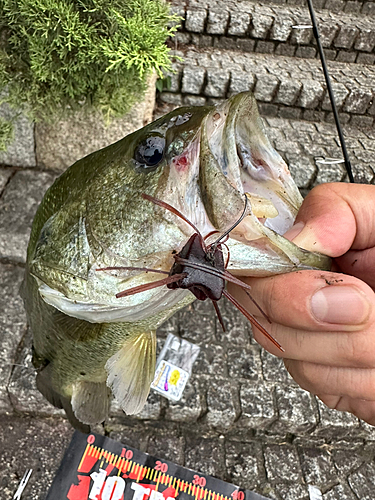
{"points": [[170, 380]]}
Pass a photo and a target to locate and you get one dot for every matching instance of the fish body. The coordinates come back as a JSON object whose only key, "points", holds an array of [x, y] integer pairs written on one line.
{"points": [[202, 161]]}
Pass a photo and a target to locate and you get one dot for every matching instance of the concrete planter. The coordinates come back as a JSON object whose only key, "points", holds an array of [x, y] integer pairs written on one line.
{"points": [[56, 146]]}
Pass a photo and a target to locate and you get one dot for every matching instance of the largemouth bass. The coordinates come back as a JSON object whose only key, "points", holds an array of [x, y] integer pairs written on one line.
{"points": [[88, 344]]}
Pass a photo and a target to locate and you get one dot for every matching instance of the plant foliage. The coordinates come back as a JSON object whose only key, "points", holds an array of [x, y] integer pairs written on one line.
{"points": [[58, 55]]}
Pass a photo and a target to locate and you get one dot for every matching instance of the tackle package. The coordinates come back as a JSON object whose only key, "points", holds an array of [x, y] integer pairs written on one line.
{"points": [[174, 366], [96, 467]]}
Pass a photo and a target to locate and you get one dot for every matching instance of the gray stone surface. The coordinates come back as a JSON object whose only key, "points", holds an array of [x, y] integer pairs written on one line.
{"points": [[18, 205], [61, 144], [12, 326], [28, 443], [222, 403], [257, 403], [21, 152], [5, 174]]}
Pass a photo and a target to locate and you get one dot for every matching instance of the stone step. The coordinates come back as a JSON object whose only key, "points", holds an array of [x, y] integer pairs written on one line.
{"points": [[268, 28], [283, 86]]}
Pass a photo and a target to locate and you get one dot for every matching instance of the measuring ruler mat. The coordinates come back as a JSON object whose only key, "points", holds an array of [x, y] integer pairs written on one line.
{"points": [[98, 468]]}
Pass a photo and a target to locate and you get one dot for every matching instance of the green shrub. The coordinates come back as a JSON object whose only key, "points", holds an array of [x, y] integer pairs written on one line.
{"points": [[59, 55]]}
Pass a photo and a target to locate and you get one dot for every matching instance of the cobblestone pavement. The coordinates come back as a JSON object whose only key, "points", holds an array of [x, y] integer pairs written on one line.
{"points": [[241, 419]]}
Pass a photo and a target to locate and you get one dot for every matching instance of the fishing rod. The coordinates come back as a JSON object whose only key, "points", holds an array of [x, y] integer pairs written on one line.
{"points": [[314, 26]]}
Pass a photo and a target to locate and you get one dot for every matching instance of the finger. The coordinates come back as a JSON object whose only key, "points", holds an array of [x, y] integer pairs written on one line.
{"points": [[361, 408], [336, 217], [355, 383], [311, 300], [360, 264], [320, 317]]}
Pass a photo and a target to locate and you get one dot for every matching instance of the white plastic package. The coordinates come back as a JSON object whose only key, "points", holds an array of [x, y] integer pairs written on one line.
{"points": [[174, 366]]}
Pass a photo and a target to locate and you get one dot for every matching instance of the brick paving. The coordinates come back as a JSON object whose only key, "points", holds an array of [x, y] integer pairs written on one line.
{"points": [[242, 418]]}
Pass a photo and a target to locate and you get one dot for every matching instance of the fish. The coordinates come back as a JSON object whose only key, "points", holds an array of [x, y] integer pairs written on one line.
{"points": [[96, 231]]}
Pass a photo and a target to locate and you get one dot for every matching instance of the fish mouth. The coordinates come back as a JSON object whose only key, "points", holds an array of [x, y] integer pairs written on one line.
{"points": [[237, 159]]}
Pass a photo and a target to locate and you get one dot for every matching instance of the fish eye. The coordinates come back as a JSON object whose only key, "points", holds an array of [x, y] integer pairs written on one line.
{"points": [[150, 151]]}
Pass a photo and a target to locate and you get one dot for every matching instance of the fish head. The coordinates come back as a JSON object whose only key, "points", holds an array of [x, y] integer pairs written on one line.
{"points": [[203, 161]]}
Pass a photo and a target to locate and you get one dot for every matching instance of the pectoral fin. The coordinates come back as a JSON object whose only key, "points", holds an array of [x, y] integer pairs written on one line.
{"points": [[131, 371]]}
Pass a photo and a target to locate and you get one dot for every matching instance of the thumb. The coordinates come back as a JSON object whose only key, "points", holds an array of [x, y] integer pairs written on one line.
{"points": [[334, 218]]}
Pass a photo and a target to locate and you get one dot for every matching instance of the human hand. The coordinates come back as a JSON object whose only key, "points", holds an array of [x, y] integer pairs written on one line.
{"points": [[325, 321]]}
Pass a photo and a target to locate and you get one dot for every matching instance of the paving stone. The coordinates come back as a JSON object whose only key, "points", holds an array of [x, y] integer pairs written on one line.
{"points": [[212, 360], [239, 23], [334, 5], [199, 452], [358, 101], [362, 482], [364, 58], [346, 37], [282, 463], [217, 82], [31, 444], [23, 393], [192, 80], [327, 34], [340, 492], [368, 8], [301, 36], [317, 466], [292, 491], [16, 216], [197, 322], [166, 446], [194, 100], [273, 369], [241, 82], [266, 88], [353, 7], [311, 94], [171, 98], [257, 406], [282, 28], [190, 407], [348, 460], [21, 152], [264, 47], [340, 93], [217, 22], [131, 433], [244, 363], [288, 92], [328, 173], [222, 403], [12, 326], [365, 40], [5, 174], [363, 174], [237, 327], [306, 52], [303, 170], [261, 25], [297, 410], [244, 463], [195, 20]]}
